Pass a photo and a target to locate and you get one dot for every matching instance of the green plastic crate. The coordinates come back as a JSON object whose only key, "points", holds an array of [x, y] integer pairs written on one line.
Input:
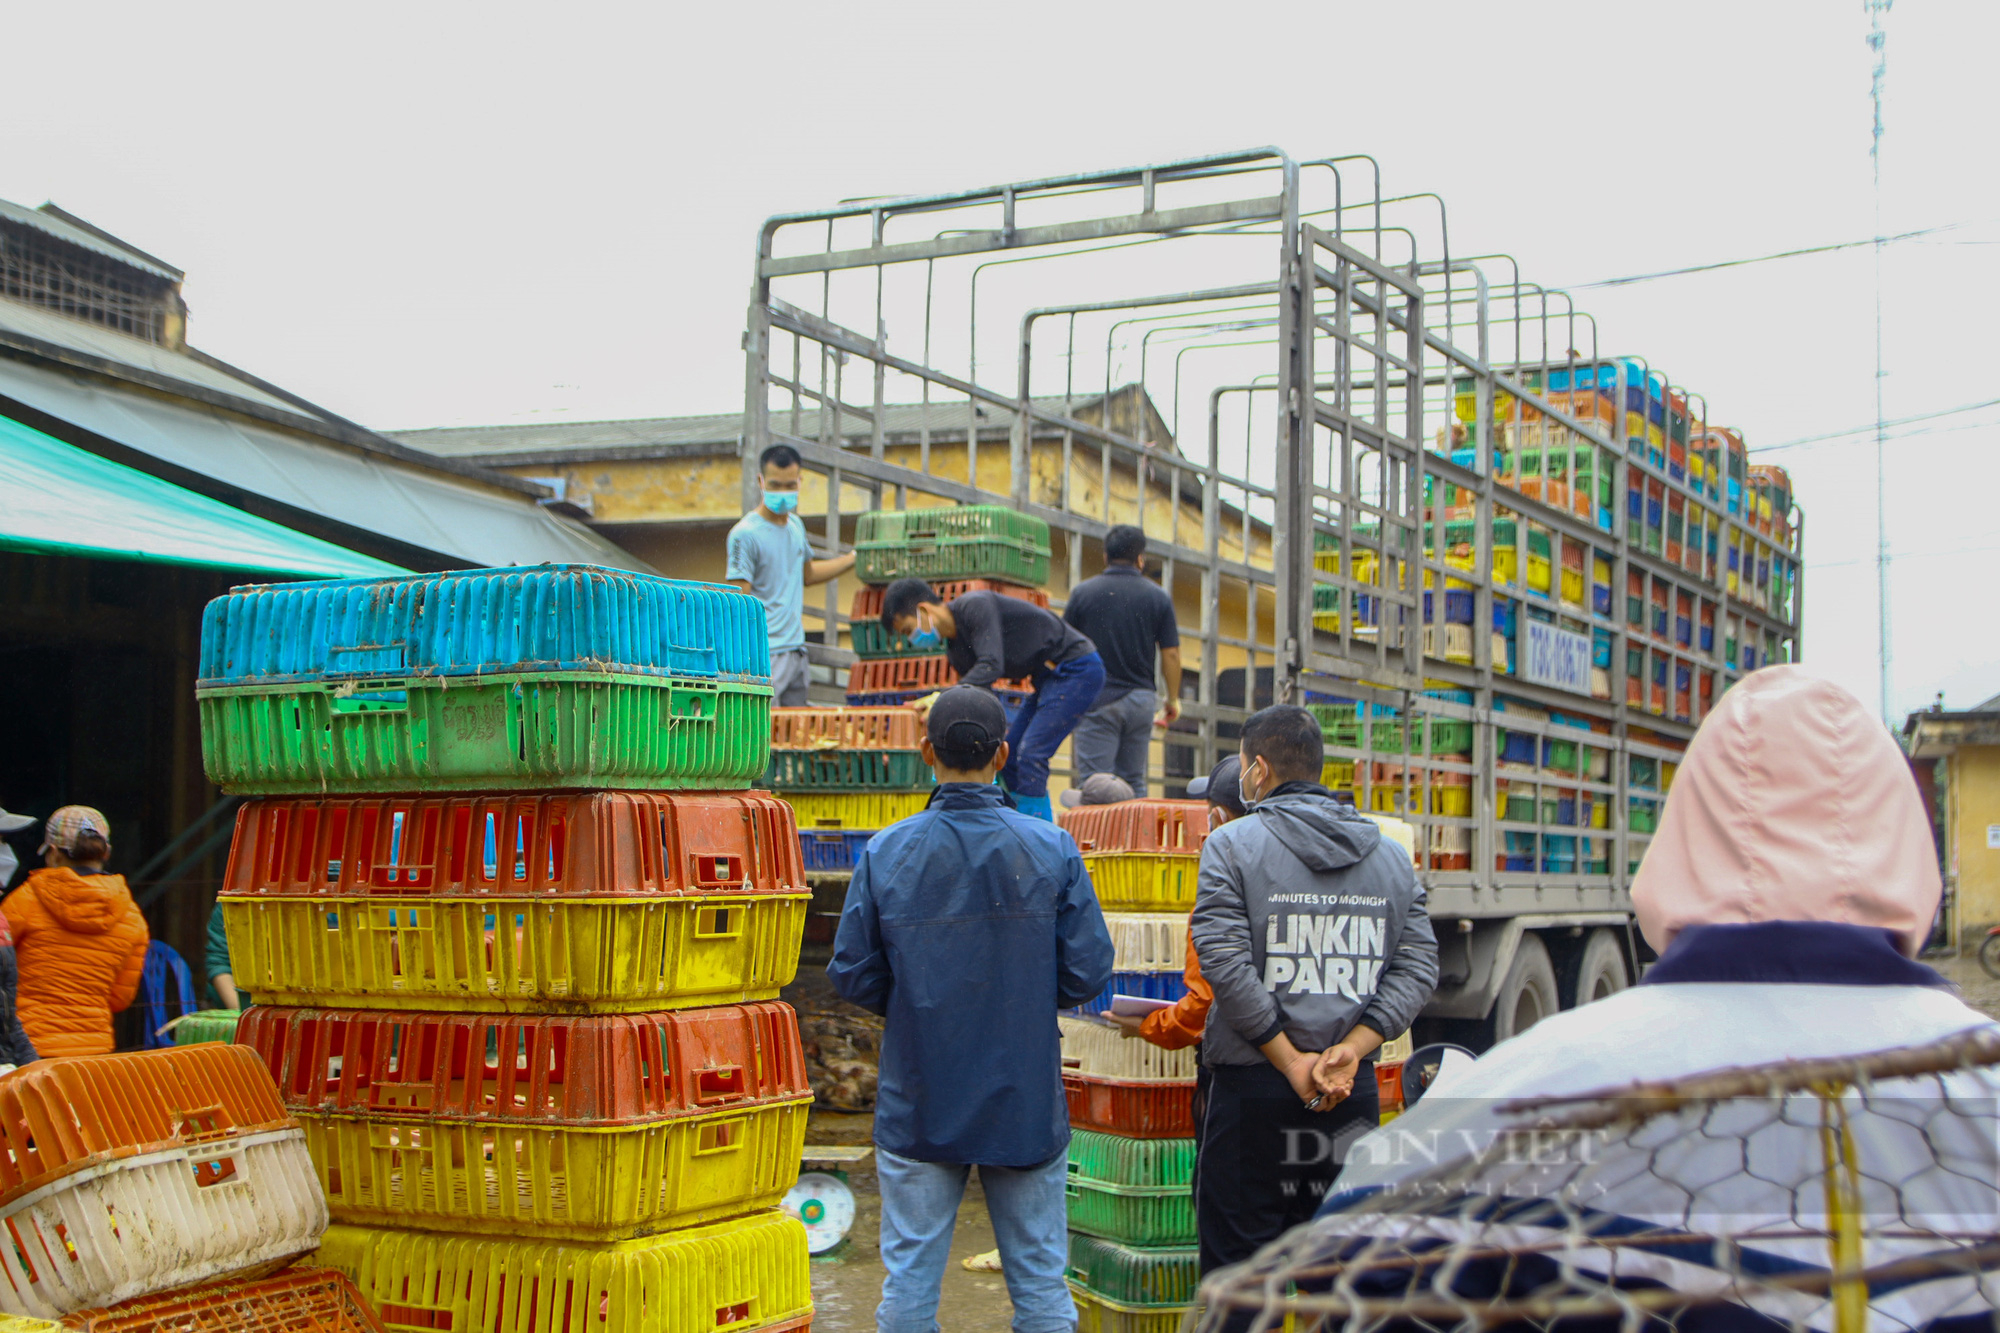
{"points": [[967, 542], [1132, 1276], [849, 770], [1518, 808], [1137, 1191], [869, 639], [1117, 1160], [1643, 817], [562, 730], [207, 1025]]}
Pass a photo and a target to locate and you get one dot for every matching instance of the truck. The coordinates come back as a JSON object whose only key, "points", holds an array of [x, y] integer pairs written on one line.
{"points": [[1510, 569]]}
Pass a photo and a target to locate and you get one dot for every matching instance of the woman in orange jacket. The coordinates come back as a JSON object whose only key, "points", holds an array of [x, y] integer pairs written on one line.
{"points": [[79, 937]]}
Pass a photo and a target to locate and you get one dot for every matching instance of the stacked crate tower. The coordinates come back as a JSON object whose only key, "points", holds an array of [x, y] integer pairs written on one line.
{"points": [[1132, 1257], [515, 927], [958, 550]]}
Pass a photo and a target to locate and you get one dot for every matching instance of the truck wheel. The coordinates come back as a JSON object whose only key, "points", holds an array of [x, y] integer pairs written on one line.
{"points": [[1528, 994], [1600, 968]]}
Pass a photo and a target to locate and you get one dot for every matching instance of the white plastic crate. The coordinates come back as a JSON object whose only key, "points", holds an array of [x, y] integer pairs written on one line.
{"points": [[1148, 941], [1106, 1052], [1397, 1048], [162, 1218]]}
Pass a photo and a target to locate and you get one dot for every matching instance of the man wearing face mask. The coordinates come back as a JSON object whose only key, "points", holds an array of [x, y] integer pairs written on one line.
{"points": [[771, 559], [1312, 930]]}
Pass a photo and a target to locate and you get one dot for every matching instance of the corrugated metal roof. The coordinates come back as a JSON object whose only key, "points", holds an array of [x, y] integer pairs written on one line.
{"points": [[589, 439], [458, 518], [77, 236], [49, 483], [95, 340]]}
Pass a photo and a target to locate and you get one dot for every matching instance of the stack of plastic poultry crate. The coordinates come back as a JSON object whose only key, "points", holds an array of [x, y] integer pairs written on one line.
{"points": [[848, 774], [516, 927], [175, 1177], [959, 550], [1132, 1257]]}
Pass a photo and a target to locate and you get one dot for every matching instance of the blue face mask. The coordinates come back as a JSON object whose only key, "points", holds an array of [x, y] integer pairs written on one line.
{"points": [[926, 640], [781, 502]]}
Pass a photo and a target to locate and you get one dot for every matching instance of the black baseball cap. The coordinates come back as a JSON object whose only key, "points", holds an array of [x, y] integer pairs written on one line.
{"points": [[966, 721], [1222, 786]]}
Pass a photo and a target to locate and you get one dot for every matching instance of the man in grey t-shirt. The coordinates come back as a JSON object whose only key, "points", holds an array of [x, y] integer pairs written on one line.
{"points": [[771, 559]]}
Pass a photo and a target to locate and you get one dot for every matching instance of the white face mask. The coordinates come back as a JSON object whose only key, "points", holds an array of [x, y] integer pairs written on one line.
{"points": [[1243, 787]]}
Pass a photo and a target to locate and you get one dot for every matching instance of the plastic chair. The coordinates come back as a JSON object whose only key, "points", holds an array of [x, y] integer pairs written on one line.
{"points": [[164, 968]]}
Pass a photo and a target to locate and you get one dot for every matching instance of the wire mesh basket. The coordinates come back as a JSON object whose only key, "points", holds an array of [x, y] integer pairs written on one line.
{"points": [[1841, 1195]]}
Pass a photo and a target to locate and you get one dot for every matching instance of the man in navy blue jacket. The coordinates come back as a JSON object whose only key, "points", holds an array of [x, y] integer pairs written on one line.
{"points": [[967, 927]]}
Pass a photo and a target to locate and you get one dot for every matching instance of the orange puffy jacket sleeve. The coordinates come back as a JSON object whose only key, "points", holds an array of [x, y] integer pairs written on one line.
{"points": [[1181, 1024]]}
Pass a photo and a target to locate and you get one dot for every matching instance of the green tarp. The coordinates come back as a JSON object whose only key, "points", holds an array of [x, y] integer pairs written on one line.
{"points": [[57, 499]]}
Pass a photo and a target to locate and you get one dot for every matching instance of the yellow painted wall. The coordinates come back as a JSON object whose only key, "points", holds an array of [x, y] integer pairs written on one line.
{"points": [[1973, 804]]}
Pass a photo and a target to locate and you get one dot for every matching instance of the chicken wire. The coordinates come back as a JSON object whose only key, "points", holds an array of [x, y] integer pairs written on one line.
{"points": [[1842, 1195]]}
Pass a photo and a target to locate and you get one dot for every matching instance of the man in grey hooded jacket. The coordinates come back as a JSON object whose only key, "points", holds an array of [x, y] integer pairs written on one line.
{"points": [[1313, 931]]}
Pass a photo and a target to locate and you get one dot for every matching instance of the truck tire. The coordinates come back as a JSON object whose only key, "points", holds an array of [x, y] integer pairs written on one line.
{"points": [[1528, 993], [1600, 968]]}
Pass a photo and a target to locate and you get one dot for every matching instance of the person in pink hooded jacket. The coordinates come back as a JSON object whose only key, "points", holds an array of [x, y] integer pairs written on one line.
{"points": [[1788, 891]]}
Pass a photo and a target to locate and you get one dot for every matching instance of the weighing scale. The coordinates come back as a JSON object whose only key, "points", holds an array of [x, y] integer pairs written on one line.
{"points": [[822, 1200]]}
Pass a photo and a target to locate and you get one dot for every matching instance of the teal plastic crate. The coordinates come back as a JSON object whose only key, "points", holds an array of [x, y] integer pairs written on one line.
{"points": [[870, 640], [966, 542], [849, 770], [1131, 1276], [562, 730]]}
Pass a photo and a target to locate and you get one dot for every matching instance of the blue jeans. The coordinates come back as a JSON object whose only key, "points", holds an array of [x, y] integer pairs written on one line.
{"points": [[919, 1208], [1060, 699]]}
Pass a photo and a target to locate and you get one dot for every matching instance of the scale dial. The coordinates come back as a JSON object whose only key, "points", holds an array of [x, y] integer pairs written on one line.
{"points": [[826, 1205]]}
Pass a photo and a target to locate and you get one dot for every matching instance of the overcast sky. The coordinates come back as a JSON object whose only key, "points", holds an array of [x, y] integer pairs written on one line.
{"points": [[435, 215]]}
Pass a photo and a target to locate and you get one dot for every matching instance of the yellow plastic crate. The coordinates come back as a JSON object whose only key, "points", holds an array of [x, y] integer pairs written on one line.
{"points": [[17, 1323], [853, 810], [744, 1274], [1451, 800], [596, 1183], [1337, 774], [1133, 882], [1095, 1314], [608, 955]]}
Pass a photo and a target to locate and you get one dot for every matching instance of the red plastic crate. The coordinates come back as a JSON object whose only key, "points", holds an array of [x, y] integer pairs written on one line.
{"points": [[301, 1300], [867, 603], [599, 1070], [1389, 1084], [557, 845], [1149, 1109], [845, 728], [884, 675], [1138, 826]]}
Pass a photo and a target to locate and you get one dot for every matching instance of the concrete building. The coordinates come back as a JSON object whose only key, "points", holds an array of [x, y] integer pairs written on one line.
{"points": [[1956, 756]]}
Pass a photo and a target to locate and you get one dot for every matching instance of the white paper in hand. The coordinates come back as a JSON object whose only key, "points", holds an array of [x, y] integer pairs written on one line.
{"points": [[1136, 1006]]}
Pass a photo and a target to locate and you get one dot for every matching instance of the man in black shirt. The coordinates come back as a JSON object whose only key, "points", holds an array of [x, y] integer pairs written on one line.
{"points": [[991, 637], [1127, 616]]}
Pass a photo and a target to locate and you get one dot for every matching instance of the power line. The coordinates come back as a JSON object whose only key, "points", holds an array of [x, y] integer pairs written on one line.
{"points": [[1878, 43], [1877, 425], [1761, 259]]}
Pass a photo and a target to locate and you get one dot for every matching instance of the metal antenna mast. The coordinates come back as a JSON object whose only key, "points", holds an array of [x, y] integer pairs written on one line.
{"points": [[1877, 10]]}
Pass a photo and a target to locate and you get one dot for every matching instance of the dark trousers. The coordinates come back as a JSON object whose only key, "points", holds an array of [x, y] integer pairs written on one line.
{"points": [[1046, 720], [1264, 1161]]}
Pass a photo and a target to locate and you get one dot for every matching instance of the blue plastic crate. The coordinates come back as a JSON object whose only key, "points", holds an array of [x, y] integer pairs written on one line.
{"points": [[1147, 985], [833, 849], [1518, 864], [1600, 598], [483, 622], [1708, 638], [1683, 630], [1517, 747]]}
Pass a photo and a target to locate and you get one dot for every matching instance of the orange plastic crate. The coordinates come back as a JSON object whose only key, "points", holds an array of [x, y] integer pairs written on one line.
{"points": [[1138, 826], [845, 728], [557, 845], [586, 1070], [301, 1300], [1389, 1084], [1131, 1108], [867, 603], [126, 1174], [882, 675]]}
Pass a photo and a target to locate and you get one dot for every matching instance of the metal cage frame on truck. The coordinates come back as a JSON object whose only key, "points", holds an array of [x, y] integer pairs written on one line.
{"points": [[1368, 396]]}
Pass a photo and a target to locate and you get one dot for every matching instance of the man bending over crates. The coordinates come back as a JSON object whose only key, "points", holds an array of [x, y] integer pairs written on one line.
{"points": [[991, 637], [967, 927], [1313, 932], [771, 559]]}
